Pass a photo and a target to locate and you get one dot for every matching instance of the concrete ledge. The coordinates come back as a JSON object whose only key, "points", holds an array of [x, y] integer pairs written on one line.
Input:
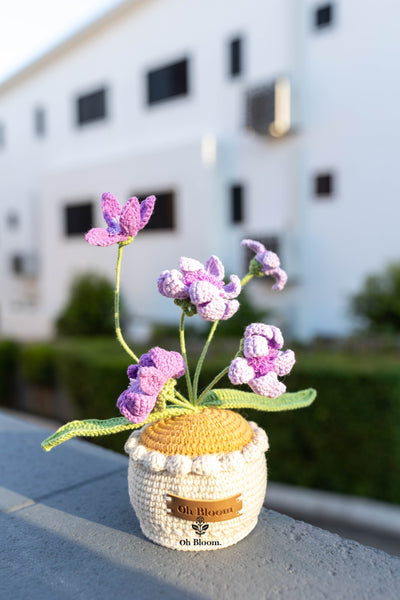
{"points": [[348, 510], [68, 531]]}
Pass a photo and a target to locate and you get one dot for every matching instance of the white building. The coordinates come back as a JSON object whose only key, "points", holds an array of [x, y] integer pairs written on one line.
{"points": [[154, 98]]}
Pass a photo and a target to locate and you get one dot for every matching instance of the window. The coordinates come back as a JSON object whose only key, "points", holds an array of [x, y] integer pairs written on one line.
{"points": [[17, 264], [78, 218], [236, 203], [39, 117], [91, 107], [323, 16], [168, 82], [24, 264], [235, 57], [12, 220], [323, 185], [163, 216]]}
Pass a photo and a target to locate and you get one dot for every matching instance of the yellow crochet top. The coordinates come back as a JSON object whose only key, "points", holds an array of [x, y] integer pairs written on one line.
{"points": [[211, 431]]}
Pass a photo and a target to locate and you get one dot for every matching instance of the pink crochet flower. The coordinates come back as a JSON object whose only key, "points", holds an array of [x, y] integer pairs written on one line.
{"points": [[263, 361], [269, 263], [123, 223], [147, 380], [204, 286]]}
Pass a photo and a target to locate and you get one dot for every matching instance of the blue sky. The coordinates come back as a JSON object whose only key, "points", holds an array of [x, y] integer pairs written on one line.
{"points": [[28, 29]]}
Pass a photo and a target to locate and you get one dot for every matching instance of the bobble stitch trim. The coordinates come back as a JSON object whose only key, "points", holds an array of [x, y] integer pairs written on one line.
{"points": [[209, 464]]}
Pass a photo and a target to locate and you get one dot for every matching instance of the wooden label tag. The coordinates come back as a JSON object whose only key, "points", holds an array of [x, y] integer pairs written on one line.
{"points": [[210, 510]]}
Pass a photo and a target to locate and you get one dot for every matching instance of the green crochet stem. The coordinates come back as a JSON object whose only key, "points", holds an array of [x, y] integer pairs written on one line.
{"points": [[201, 361], [211, 385], [96, 427], [223, 398], [196, 400], [179, 396], [184, 354], [227, 398], [117, 302], [246, 279]]}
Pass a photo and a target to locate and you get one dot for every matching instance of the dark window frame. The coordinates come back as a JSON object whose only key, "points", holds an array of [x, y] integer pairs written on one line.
{"points": [[164, 214], [13, 220], [324, 15], [236, 197], [168, 82], [78, 218], [92, 107], [23, 265], [324, 184], [39, 121], [236, 56], [17, 264]]}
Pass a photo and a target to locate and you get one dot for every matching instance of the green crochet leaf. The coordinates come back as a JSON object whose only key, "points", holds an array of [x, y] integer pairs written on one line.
{"points": [[96, 427], [236, 399]]}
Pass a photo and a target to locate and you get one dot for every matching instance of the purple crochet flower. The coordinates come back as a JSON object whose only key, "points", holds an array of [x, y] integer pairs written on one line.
{"points": [[263, 361], [123, 223], [204, 286], [269, 263], [147, 380]]}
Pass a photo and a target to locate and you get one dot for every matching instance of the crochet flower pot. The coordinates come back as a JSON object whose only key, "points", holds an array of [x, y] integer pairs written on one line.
{"points": [[197, 471], [198, 481]]}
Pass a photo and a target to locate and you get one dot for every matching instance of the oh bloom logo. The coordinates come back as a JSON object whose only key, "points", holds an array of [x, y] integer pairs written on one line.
{"points": [[200, 527]]}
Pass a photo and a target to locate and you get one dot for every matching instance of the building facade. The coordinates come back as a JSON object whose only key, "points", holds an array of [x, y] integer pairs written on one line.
{"points": [[271, 120]]}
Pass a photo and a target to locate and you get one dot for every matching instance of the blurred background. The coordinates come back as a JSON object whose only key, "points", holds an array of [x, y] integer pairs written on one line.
{"points": [[276, 121]]}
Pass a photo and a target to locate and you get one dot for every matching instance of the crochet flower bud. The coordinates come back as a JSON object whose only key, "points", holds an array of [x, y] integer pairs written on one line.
{"points": [[263, 361], [147, 380], [203, 286], [123, 222], [268, 263]]}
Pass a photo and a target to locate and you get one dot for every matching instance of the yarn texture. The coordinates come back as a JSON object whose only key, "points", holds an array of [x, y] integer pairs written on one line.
{"points": [[197, 471], [263, 361], [210, 432], [123, 222], [203, 286], [266, 263], [154, 474], [147, 379]]}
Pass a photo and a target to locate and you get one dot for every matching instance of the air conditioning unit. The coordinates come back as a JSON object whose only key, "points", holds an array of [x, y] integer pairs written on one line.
{"points": [[269, 110]]}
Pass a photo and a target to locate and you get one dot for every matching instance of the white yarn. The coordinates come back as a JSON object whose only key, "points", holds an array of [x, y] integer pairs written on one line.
{"points": [[208, 464], [178, 464], [208, 477]]}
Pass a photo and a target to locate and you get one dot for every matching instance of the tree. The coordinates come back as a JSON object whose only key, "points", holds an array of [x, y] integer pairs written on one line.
{"points": [[378, 303], [89, 310]]}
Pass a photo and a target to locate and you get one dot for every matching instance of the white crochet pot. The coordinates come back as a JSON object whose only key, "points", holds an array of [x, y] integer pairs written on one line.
{"points": [[197, 503]]}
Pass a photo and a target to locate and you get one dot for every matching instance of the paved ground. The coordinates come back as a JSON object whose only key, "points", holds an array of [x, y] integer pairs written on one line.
{"points": [[69, 532]]}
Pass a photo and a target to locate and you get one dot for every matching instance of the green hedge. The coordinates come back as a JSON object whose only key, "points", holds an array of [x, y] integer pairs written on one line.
{"points": [[37, 364], [93, 373], [348, 441], [8, 366]]}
